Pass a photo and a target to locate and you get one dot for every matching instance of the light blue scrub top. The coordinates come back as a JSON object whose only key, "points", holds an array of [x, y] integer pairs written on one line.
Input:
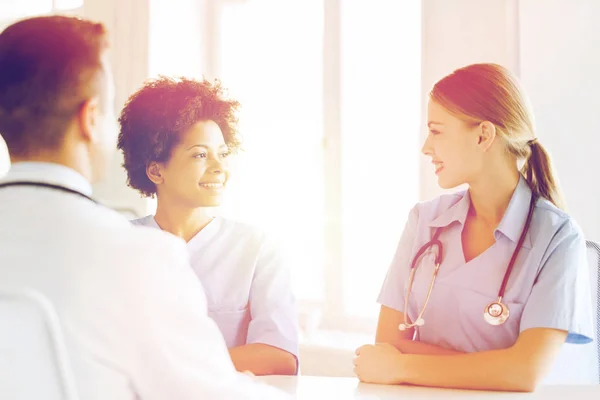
{"points": [[548, 288]]}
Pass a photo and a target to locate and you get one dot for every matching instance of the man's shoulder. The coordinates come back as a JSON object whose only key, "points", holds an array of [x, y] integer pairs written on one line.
{"points": [[124, 242], [146, 242]]}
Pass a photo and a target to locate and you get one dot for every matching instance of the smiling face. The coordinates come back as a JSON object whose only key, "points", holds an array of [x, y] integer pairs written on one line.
{"points": [[453, 146], [197, 171]]}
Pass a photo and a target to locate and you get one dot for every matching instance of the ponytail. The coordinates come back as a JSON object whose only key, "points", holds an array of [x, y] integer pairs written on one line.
{"points": [[538, 173], [490, 92]]}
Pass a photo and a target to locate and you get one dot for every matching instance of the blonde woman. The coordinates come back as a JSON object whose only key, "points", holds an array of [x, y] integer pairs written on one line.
{"points": [[487, 283]]}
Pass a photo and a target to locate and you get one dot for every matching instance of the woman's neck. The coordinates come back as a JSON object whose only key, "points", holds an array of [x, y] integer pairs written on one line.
{"points": [[491, 195], [181, 221]]}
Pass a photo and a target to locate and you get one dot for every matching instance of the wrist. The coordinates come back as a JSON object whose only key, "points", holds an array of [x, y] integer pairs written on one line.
{"points": [[402, 361]]}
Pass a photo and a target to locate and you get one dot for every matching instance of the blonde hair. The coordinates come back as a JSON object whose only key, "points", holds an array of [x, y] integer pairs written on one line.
{"points": [[489, 92]]}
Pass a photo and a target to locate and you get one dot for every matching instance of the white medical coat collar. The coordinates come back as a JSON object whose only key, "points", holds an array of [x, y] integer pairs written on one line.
{"points": [[55, 174]]}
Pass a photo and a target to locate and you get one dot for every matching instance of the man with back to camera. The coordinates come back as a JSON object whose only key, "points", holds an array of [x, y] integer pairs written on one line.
{"points": [[133, 313]]}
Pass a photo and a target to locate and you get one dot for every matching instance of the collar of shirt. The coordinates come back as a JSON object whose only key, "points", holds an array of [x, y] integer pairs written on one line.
{"points": [[201, 238], [512, 222], [55, 174]]}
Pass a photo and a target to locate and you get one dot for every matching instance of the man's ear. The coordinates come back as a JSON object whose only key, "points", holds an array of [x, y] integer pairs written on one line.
{"points": [[153, 171], [486, 135], [89, 119]]}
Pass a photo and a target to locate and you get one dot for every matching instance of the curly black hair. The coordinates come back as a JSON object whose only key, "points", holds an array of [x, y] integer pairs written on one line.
{"points": [[154, 118]]}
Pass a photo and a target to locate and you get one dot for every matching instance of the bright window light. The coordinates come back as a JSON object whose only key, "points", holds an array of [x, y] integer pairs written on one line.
{"points": [[381, 112], [271, 60], [15, 9], [11, 9], [175, 38], [271, 55], [63, 5]]}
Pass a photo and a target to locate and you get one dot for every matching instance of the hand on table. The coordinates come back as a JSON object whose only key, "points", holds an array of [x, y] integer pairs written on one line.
{"points": [[380, 363]]}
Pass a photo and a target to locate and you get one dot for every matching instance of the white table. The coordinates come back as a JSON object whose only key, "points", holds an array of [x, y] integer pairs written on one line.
{"points": [[313, 387]]}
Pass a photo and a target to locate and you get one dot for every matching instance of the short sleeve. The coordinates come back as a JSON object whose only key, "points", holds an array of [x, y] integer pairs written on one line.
{"points": [[394, 285], [274, 318], [561, 296]]}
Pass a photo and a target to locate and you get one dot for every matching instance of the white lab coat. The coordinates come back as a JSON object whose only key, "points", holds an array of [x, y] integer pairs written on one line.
{"points": [[134, 314]]}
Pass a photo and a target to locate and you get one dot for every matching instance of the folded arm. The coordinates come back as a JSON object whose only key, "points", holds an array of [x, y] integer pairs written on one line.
{"points": [[520, 367], [388, 332]]}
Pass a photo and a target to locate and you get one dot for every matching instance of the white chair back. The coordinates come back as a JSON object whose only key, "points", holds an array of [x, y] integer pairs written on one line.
{"points": [[579, 364], [594, 255], [33, 357]]}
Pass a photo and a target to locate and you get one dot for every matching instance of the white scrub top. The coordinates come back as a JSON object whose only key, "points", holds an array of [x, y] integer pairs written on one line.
{"points": [[133, 314], [548, 287], [247, 284]]}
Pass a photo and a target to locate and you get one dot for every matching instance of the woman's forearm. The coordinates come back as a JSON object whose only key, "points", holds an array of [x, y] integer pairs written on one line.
{"points": [[415, 347], [262, 359], [488, 370]]}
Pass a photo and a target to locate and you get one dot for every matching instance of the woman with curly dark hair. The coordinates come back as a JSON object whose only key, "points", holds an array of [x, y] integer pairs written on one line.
{"points": [[177, 136]]}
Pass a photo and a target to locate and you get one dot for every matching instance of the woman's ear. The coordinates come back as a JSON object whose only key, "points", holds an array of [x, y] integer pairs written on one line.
{"points": [[486, 135], [153, 171]]}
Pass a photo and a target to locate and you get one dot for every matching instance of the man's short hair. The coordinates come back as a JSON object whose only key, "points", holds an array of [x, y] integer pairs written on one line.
{"points": [[49, 66]]}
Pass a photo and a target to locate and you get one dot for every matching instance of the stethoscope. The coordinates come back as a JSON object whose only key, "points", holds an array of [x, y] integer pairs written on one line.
{"points": [[47, 186], [495, 313]]}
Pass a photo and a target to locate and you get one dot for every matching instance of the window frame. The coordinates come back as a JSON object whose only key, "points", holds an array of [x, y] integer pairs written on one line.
{"points": [[331, 309]]}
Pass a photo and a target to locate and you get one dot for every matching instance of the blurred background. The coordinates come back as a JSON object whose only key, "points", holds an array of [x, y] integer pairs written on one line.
{"points": [[333, 97]]}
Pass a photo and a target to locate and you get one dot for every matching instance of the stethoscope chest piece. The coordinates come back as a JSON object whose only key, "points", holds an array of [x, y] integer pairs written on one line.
{"points": [[405, 326], [496, 313]]}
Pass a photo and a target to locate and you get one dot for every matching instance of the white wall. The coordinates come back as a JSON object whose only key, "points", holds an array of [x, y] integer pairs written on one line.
{"points": [[560, 64], [127, 23], [457, 33]]}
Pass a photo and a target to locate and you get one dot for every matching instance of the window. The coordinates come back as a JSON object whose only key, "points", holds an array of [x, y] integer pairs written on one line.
{"points": [[330, 117], [270, 57], [279, 58], [175, 38], [380, 118]]}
